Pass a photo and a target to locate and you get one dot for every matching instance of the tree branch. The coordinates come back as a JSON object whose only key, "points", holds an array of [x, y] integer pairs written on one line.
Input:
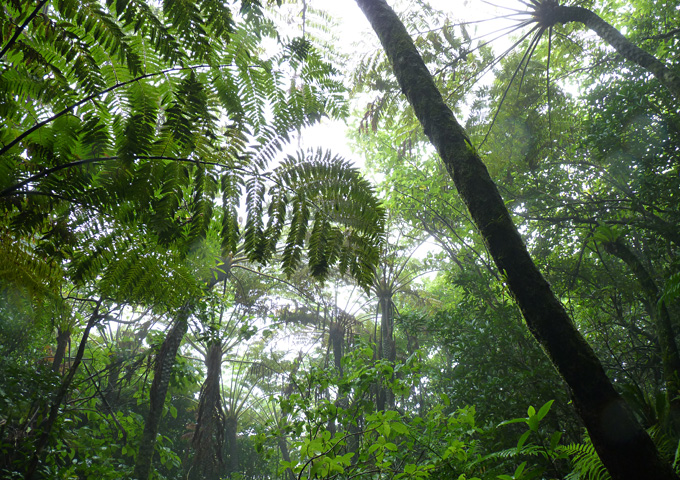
{"points": [[19, 30], [631, 52]]}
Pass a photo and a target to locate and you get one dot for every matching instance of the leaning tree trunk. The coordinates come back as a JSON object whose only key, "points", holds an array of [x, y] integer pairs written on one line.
{"points": [[63, 340], [553, 14], [623, 445], [165, 360]]}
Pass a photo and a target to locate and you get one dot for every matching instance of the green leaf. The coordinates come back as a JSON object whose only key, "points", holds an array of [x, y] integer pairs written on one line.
{"points": [[543, 411], [555, 440], [514, 420], [522, 440], [400, 428]]}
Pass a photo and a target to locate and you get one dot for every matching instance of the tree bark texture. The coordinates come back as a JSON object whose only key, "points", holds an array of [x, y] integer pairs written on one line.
{"points": [[624, 446], [231, 435], [208, 440], [165, 360], [163, 370], [629, 51]]}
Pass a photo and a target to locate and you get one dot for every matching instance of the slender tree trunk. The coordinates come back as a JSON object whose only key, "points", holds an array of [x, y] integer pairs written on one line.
{"points": [[629, 51], [61, 394], [63, 339], [662, 320], [285, 454], [336, 338], [624, 446], [165, 360], [389, 350]]}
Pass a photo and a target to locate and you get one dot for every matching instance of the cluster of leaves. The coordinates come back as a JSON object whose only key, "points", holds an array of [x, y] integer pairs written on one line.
{"points": [[134, 136]]}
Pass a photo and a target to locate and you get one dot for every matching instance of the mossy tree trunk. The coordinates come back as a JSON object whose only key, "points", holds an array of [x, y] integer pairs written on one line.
{"points": [[208, 440], [623, 445], [165, 360]]}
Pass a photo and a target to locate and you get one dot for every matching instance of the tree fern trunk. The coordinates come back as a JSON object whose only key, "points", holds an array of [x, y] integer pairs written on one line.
{"points": [[231, 434], [208, 440], [624, 446], [159, 389]]}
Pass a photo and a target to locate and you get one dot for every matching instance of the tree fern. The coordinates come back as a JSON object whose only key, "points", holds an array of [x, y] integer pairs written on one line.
{"points": [[111, 121]]}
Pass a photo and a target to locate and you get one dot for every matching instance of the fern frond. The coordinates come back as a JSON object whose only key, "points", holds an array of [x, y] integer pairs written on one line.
{"points": [[348, 219], [587, 464]]}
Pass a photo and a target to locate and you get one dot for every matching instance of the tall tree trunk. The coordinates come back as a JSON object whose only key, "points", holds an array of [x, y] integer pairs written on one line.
{"points": [[624, 446], [285, 454], [389, 351], [336, 338], [662, 321], [165, 360], [208, 440], [231, 434]]}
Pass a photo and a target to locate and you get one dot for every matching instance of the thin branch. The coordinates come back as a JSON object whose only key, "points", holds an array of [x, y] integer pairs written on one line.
{"points": [[19, 30], [507, 89], [662, 36]]}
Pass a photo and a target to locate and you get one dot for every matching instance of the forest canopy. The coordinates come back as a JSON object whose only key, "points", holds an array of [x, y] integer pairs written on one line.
{"points": [[186, 293]]}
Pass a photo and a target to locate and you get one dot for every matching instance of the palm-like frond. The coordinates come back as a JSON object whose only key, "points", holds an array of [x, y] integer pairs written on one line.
{"points": [[347, 220], [112, 119]]}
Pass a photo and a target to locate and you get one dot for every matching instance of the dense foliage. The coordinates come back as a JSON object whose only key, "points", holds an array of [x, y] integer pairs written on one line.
{"points": [[183, 295]]}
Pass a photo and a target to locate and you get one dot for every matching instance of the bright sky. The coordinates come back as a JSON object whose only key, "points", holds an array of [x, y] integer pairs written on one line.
{"points": [[355, 29]]}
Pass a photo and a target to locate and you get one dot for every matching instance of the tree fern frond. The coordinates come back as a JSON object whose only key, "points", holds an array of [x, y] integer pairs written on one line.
{"points": [[140, 17], [587, 464], [231, 194], [348, 220], [24, 269], [140, 127]]}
